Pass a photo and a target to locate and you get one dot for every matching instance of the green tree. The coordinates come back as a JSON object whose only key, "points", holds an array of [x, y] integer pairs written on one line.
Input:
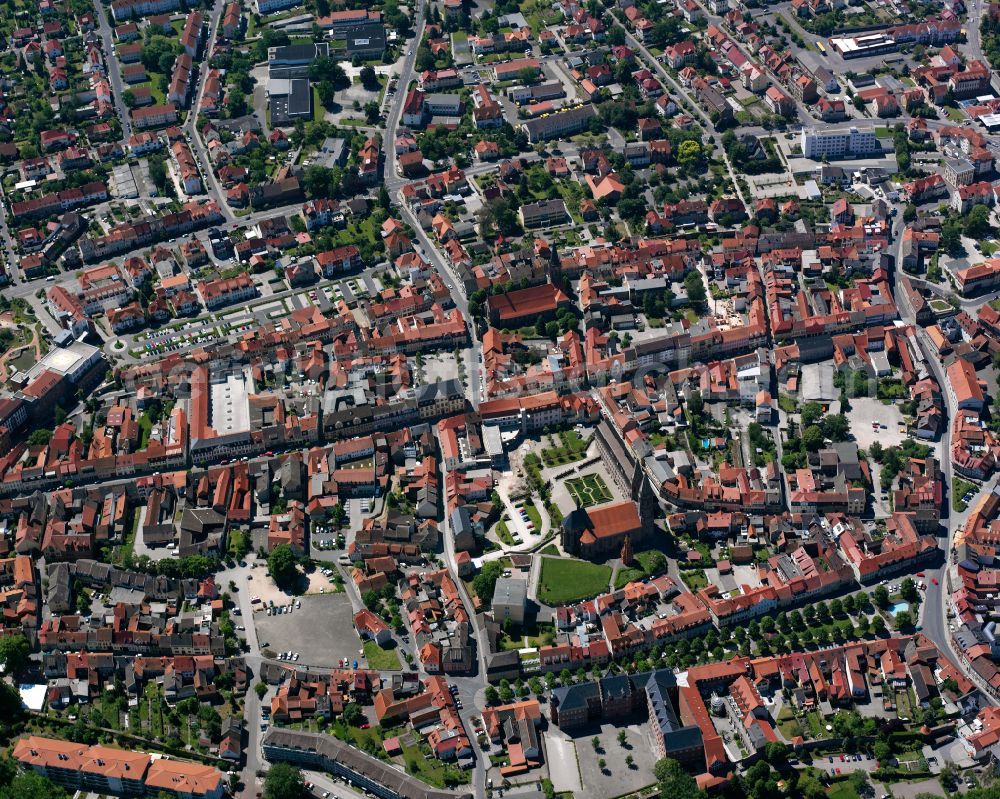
{"points": [[284, 781], [695, 404], [29, 785], [689, 153], [236, 103], [353, 714], [326, 92], [484, 582], [325, 68], [811, 413], [39, 437], [881, 750], [977, 222], [880, 596], [283, 565], [695, 287], [527, 76], [368, 78], [836, 427], [425, 59], [812, 438], [14, 653], [673, 782]]}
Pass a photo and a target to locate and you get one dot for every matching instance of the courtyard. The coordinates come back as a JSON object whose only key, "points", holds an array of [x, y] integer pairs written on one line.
{"points": [[610, 769]]}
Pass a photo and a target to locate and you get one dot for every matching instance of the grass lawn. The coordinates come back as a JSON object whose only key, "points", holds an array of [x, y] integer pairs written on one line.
{"points": [[816, 728], [842, 790], [533, 515], [571, 448], [788, 726], [121, 551], [145, 428], [564, 581], [237, 539], [955, 114], [695, 580], [649, 563], [369, 740], [367, 228], [159, 97], [551, 549], [588, 490], [319, 112], [431, 770], [381, 659], [503, 533], [787, 404]]}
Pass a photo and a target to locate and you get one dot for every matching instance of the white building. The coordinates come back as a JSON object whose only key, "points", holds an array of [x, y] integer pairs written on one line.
{"points": [[510, 599], [841, 143]]}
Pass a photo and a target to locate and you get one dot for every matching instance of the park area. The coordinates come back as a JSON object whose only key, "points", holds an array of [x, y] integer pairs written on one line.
{"points": [[588, 490], [570, 447], [563, 580]]}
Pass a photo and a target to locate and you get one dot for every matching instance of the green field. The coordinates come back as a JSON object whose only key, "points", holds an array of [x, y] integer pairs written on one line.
{"points": [[381, 659], [563, 581], [588, 490]]}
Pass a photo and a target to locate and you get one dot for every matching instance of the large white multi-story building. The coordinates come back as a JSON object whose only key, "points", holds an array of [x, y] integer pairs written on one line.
{"points": [[841, 143]]}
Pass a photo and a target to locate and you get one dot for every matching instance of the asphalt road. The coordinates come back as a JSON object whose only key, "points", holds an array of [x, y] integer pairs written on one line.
{"points": [[390, 177], [114, 73], [209, 179]]}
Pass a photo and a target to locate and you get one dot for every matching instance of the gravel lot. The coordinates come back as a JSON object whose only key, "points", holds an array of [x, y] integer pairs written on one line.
{"points": [[864, 411], [321, 631]]}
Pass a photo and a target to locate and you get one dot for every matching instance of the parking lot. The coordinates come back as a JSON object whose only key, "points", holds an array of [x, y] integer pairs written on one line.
{"points": [[864, 410], [321, 631]]}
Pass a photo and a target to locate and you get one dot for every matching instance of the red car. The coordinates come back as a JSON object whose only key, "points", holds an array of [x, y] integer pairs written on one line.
{"points": [[364, 726], [934, 580], [920, 574]]}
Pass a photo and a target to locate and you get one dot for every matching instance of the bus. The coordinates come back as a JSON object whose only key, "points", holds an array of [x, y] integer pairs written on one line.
{"points": [[822, 49]]}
